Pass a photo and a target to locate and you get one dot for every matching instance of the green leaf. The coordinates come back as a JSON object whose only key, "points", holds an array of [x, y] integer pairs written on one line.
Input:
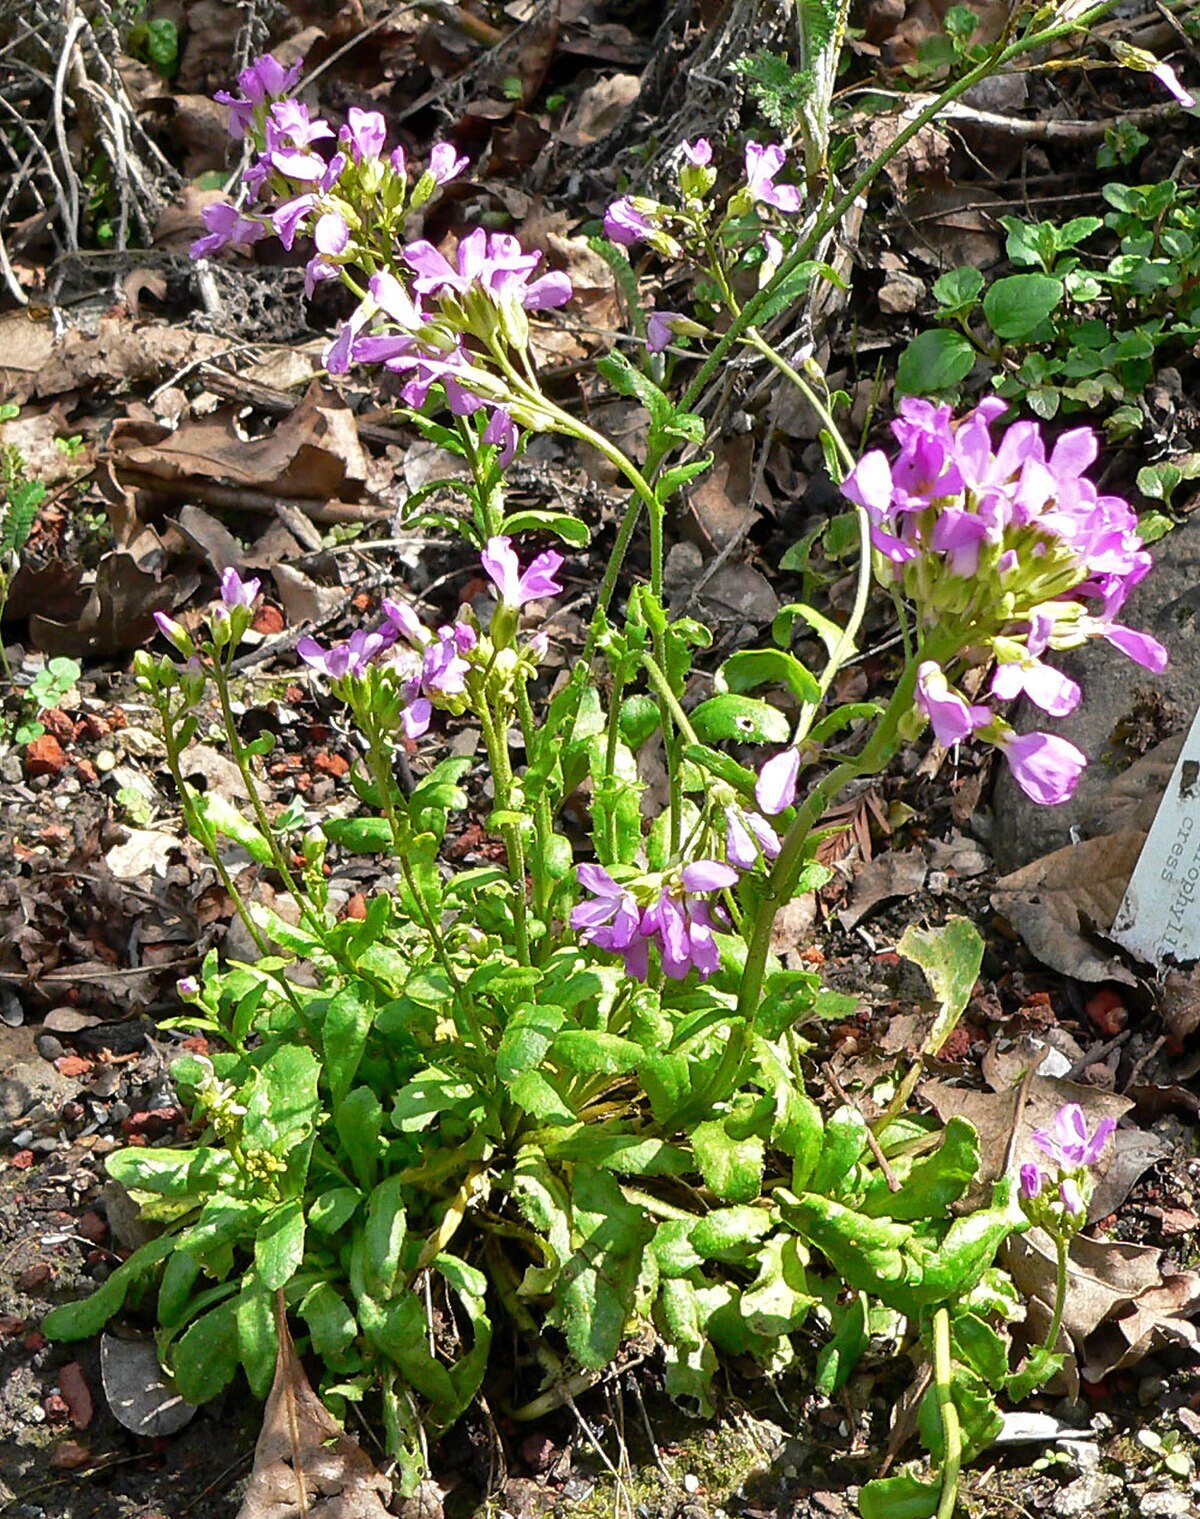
{"points": [[279, 1244], [724, 767], [595, 1298], [541, 1099], [79, 1321], [529, 1034], [970, 1246], [331, 1211], [752, 668], [729, 1234], [778, 1301], [224, 818], [844, 1145], [869, 1253], [733, 1168], [691, 1362], [934, 1182], [173, 1173], [783, 627], [358, 1121], [258, 1337], [175, 1289], [671, 479], [359, 835], [740, 718], [162, 44], [842, 1353], [283, 1108], [901, 1497], [329, 1320], [591, 1052], [950, 956], [569, 529], [348, 1020], [958, 289], [1017, 305], [206, 1359], [383, 1238], [934, 361]]}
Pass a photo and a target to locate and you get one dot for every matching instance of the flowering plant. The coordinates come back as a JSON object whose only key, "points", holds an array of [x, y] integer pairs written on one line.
{"points": [[572, 1093]]}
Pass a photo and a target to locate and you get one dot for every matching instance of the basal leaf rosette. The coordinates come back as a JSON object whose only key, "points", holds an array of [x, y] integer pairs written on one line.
{"points": [[1005, 550]]}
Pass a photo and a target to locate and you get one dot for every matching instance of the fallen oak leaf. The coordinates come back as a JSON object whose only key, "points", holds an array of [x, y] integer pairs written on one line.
{"points": [[305, 1465], [1159, 1316], [1055, 901]]}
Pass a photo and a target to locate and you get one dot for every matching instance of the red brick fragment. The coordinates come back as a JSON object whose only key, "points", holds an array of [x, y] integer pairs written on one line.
{"points": [[22, 1160], [57, 722], [77, 1395], [153, 1123], [44, 756], [356, 907], [268, 619], [72, 1065], [332, 764], [92, 1227], [34, 1276], [1107, 1011]]}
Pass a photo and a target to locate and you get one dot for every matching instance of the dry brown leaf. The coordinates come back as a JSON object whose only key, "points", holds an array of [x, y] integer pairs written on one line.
{"points": [[600, 110], [118, 614], [1105, 1279], [1054, 902], [898, 873], [1161, 1315], [305, 1465], [313, 454], [302, 599], [118, 352], [1132, 798], [720, 500]]}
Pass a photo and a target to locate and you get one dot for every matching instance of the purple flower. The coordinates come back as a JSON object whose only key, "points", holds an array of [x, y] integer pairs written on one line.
{"points": [[494, 261], [187, 988], [175, 634], [501, 432], [1067, 1141], [1045, 766], [263, 79], [762, 165], [236, 592], [351, 658], [611, 920], [1167, 77], [775, 789], [290, 134], [331, 235], [1072, 1196], [288, 219], [681, 920], [660, 329], [1140, 647], [225, 224], [699, 152], [445, 163], [748, 838], [625, 225], [500, 562], [364, 133], [1046, 687], [951, 716], [1032, 1181]]}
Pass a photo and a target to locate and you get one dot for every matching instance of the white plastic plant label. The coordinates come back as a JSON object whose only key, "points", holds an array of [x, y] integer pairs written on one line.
{"points": [[1159, 916]]}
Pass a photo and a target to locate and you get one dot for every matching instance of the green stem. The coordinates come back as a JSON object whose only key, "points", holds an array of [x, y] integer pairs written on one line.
{"points": [[250, 781], [1060, 1293], [943, 1375], [667, 698], [502, 780], [543, 819]]}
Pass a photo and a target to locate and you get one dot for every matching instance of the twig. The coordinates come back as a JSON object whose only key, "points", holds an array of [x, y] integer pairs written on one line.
{"points": [[238, 498], [1051, 130], [77, 25], [873, 1143]]}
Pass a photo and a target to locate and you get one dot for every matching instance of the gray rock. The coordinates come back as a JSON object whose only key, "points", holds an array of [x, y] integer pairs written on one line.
{"points": [[1086, 1495], [1115, 691], [1165, 1502]]}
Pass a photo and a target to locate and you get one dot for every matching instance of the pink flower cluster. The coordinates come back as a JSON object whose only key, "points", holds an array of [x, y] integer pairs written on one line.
{"points": [[1074, 1151], [430, 668], [350, 203], [671, 912], [1004, 546]]}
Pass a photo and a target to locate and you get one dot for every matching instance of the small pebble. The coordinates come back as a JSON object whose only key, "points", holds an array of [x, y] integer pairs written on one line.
{"points": [[48, 1047], [691, 1483]]}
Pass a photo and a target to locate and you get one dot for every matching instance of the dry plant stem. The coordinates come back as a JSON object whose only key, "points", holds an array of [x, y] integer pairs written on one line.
{"points": [[76, 25]]}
